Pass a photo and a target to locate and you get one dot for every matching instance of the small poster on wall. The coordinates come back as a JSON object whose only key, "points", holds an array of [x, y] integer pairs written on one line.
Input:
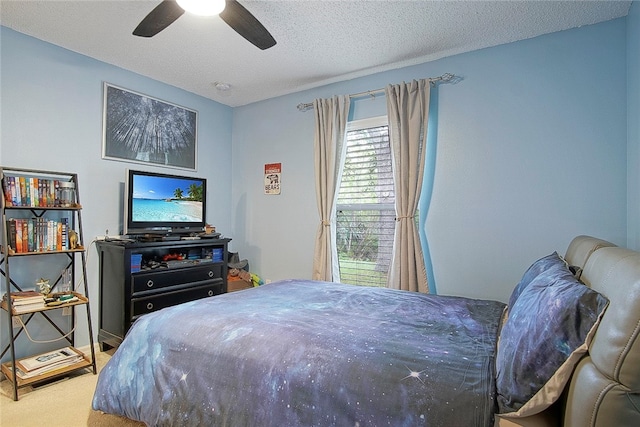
{"points": [[272, 178]]}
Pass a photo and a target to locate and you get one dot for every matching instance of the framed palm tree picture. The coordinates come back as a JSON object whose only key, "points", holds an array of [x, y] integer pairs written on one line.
{"points": [[141, 129]]}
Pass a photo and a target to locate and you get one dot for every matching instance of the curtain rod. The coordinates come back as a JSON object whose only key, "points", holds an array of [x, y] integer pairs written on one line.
{"points": [[443, 78]]}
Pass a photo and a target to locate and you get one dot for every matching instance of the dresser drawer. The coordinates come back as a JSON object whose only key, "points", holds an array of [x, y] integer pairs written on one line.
{"points": [[161, 278], [140, 306]]}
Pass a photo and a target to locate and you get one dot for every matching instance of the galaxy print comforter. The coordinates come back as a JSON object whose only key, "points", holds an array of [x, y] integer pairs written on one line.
{"points": [[304, 353]]}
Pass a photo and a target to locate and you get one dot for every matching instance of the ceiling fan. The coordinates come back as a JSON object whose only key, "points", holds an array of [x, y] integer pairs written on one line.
{"points": [[231, 12]]}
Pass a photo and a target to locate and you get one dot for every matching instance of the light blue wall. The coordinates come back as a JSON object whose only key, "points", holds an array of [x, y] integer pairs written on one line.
{"points": [[531, 151], [51, 118], [633, 124]]}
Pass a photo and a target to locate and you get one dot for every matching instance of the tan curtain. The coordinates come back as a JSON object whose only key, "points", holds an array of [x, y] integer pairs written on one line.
{"points": [[331, 123], [408, 111]]}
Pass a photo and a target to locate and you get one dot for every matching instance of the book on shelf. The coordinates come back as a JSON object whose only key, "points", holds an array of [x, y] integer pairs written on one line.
{"points": [[8, 183], [47, 362], [25, 301], [24, 297], [21, 191], [37, 234], [26, 308]]}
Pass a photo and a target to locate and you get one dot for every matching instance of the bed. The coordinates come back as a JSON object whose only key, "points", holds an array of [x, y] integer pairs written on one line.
{"points": [[304, 353]]}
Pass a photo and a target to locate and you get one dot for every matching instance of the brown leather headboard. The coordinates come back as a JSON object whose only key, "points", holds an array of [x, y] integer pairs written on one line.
{"points": [[581, 248], [605, 387]]}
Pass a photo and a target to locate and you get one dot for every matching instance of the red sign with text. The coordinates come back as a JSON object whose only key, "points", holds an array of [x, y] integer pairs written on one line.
{"points": [[272, 178]]}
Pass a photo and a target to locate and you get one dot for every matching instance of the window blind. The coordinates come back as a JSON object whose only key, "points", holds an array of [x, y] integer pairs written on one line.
{"points": [[365, 216]]}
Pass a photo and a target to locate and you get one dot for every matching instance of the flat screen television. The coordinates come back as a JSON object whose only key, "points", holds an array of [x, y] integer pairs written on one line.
{"points": [[158, 203]]}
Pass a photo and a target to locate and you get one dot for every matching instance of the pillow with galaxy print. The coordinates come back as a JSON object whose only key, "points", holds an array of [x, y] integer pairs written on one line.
{"points": [[549, 329], [547, 263]]}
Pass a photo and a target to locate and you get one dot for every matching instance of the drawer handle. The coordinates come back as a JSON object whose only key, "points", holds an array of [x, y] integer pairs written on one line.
{"points": [[210, 293], [149, 306], [150, 283], [210, 273]]}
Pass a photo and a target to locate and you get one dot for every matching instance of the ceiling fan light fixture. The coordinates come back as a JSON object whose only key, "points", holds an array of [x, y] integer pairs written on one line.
{"points": [[202, 7]]}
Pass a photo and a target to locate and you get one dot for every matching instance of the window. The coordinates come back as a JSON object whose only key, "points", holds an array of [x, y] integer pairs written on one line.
{"points": [[365, 208]]}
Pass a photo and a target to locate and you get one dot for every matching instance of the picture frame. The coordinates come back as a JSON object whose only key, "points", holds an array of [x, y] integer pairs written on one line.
{"points": [[139, 128]]}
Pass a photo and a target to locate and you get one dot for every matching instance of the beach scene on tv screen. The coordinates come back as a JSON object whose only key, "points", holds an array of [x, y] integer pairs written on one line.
{"points": [[166, 199]]}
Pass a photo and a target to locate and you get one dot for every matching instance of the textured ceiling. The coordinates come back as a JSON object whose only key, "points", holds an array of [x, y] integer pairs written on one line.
{"points": [[318, 42]]}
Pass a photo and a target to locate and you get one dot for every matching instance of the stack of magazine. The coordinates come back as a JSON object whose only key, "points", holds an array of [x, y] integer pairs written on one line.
{"points": [[25, 301], [47, 362]]}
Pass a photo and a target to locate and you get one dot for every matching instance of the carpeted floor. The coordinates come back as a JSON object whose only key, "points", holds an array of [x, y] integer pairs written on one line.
{"points": [[65, 403]]}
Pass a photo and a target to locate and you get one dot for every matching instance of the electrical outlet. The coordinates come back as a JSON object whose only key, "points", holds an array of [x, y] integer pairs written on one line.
{"points": [[66, 311], [16, 321]]}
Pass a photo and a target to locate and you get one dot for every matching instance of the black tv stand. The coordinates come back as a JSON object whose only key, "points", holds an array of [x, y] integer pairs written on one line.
{"points": [[138, 277]]}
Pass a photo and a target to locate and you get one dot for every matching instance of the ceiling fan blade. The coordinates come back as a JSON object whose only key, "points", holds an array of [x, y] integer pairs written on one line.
{"points": [[245, 24], [158, 19]]}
